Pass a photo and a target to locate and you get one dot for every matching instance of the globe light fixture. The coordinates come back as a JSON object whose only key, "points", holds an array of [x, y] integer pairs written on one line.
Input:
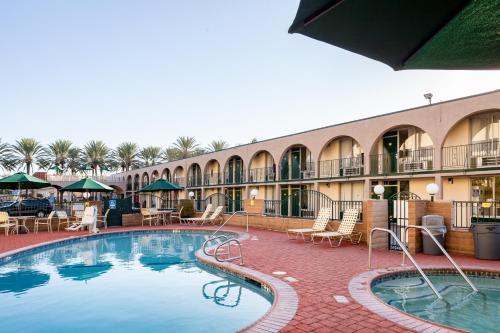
{"points": [[379, 190], [432, 189], [191, 195], [254, 193]]}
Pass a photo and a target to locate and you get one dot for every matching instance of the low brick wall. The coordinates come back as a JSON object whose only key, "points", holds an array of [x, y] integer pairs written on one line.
{"points": [[131, 220]]}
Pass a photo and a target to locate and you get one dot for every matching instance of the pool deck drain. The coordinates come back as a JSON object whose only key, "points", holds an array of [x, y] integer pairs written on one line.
{"points": [[321, 270]]}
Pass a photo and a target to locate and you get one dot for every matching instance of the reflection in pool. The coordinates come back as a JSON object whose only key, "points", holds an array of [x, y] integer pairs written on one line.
{"points": [[142, 282]]}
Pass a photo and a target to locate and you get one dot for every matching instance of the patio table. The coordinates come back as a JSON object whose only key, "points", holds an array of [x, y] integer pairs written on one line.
{"points": [[21, 222], [166, 215]]}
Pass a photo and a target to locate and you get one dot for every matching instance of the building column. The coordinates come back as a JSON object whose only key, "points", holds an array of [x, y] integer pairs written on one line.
{"points": [[366, 189], [316, 186], [438, 179], [277, 194]]}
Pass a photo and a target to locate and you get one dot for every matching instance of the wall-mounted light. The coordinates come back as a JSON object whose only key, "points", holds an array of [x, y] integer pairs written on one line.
{"points": [[253, 194], [450, 180], [191, 195], [432, 189], [379, 190]]}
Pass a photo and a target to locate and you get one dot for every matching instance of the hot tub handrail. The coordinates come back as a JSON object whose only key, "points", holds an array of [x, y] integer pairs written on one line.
{"points": [[228, 244], [405, 251], [211, 239], [244, 212], [450, 259]]}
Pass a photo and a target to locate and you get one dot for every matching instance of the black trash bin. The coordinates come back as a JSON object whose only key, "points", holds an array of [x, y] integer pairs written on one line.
{"points": [[486, 240], [435, 224]]}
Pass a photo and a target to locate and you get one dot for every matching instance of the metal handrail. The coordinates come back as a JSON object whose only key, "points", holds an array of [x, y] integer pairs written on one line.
{"points": [[230, 217], [442, 250], [405, 250], [229, 258], [211, 239]]}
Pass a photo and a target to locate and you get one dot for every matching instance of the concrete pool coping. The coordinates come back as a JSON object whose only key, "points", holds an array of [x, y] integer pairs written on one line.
{"points": [[360, 290], [285, 299]]}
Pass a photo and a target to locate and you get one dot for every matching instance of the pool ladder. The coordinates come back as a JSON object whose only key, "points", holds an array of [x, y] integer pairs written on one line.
{"points": [[406, 253], [226, 243]]}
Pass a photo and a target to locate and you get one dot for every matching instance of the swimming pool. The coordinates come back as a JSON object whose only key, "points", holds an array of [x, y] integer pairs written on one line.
{"points": [[461, 308], [128, 282]]}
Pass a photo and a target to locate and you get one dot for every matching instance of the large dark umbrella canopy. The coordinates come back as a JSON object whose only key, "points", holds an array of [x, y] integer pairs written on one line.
{"points": [[22, 181], [408, 34], [81, 272], [22, 280], [87, 185], [161, 185]]}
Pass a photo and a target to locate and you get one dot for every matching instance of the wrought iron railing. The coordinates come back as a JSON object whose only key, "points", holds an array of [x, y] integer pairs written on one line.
{"points": [[194, 181], [306, 204], [137, 187], [129, 187], [234, 177], [471, 156], [303, 171], [261, 175], [212, 179], [467, 212], [342, 167], [405, 161], [181, 181]]}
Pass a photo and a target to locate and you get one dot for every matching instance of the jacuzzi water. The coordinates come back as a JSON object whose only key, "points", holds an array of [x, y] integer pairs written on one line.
{"points": [[461, 308], [141, 282]]}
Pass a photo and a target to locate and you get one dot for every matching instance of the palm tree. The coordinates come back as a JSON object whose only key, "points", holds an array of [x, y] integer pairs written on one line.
{"points": [[171, 154], [74, 161], [126, 155], [26, 152], [58, 153], [217, 145], [150, 155], [185, 146], [6, 160], [96, 153]]}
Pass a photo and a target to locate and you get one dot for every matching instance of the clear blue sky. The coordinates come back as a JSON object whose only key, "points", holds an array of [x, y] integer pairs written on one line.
{"points": [[148, 71]]}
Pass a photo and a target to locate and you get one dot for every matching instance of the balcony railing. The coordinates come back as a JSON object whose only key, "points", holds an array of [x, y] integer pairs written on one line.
{"points": [[471, 156], [261, 175], [284, 208], [467, 212], [212, 179], [74, 178], [181, 181], [405, 161], [234, 177], [129, 187], [304, 171], [343, 167], [194, 182]]}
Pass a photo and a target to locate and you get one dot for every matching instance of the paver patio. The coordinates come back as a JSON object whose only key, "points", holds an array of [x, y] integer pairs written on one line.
{"points": [[321, 273]]}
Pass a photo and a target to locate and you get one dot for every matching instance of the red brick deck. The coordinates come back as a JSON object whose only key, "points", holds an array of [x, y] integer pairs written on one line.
{"points": [[321, 271]]}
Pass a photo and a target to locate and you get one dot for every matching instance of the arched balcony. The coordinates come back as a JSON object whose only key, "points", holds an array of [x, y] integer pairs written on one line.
{"points": [[194, 175], [129, 183], [145, 180], [341, 157], [137, 182], [165, 174], [234, 172], [155, 176], [213, 174], [179, 177], [262, 168], [296, 163]]}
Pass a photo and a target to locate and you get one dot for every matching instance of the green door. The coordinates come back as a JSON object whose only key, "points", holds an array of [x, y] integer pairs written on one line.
{"points": [[284, 167], [295, 202], [390, 142], [284, 201], [295, 164], [230, 172], [237, 199], [237, 171]]}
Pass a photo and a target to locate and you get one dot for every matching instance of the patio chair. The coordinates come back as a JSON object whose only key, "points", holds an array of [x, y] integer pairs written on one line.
{"points": [[7, 222], [320, 224], [44, 221], [218, 214], [63, 218], [345, 230], [104, 219], [148, 216], [89, 219], [176, 215], [193, 220]]}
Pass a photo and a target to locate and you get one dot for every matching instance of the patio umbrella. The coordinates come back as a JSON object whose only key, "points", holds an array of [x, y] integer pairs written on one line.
{"points": [[22, 181], [158, 263], [411, 34], [82, 272], [87, 185], [161, 185], [22, 280]]}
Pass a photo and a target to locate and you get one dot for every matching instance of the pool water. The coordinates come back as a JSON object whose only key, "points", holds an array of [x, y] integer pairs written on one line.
{"points": [[141, 282], [462, 308]]}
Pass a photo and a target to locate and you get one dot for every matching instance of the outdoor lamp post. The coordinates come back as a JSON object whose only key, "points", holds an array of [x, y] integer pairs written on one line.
{"points": [[428, 96], [432, 189], [253, 195], [379, 190]]}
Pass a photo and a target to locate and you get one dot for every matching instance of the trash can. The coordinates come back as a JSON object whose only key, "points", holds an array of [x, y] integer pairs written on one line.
{"points": [[486, 240], [435, 224]]}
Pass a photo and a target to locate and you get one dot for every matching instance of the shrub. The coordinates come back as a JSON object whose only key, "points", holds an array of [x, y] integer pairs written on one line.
{"points": [[188, 209]]}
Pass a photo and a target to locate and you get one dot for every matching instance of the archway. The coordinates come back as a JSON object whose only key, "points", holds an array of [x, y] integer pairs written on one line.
{"points": [[296, 163], [341, 157], [262, 168]]}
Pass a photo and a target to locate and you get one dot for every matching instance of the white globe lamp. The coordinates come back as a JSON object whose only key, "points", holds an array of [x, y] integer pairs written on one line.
{"points": [[432, 189], [191, 195], [254, 193], [379, 190]]}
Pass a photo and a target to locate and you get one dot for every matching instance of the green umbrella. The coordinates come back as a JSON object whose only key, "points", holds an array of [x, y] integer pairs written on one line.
{"points": [[87, 185], [82, 272], [409, 34], [161, 185], [22, 280], [22, 181]]}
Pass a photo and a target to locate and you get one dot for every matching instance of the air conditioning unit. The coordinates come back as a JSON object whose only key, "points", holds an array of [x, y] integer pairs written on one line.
{"points": [[352, 171], [488, 161], [417, 166]]}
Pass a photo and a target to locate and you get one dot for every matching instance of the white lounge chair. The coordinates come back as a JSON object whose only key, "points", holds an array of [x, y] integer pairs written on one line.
{"points": [[216, 215], [203, 217], [319, 225], [89, 220], [345, 230]]}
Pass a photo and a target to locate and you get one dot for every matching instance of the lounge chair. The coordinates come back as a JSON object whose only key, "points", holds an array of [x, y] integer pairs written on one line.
{"points": [[7, 222], [319, 225], [345, 230], [203, 217], [63, 218], [218, 214], [44, 221], [176, 215], [103, 219], [89, 219]]}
